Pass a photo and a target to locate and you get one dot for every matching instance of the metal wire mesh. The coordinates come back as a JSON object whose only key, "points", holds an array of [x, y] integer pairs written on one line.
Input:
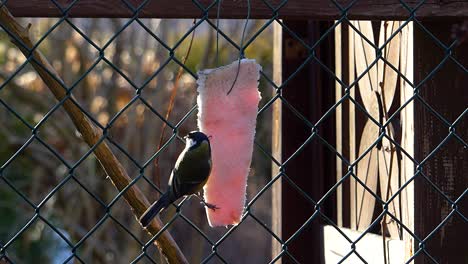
{"points": [[34, 137]]}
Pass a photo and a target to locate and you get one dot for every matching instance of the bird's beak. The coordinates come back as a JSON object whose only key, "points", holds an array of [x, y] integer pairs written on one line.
{"points": [[210, 136]]}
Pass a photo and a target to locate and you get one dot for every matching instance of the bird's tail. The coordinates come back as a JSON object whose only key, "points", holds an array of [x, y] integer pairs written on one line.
{"points": [[154, 209]]}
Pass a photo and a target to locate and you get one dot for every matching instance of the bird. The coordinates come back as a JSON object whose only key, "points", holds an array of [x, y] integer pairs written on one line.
{"points": [[190, 173]]}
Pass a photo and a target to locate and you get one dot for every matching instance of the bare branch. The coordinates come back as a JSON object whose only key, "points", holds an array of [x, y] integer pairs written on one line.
{"points": [[90, 133]]}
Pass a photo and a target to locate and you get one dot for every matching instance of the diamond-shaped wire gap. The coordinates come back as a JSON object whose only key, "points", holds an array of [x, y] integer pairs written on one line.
{"points": [[298, 120], [138, 63], [406, 233], [72, 59], [90, 176], [442, 228], [320, 144], [348, 237], [117, 27], [119, 214], [58, 134], [26, 95], [301, 49], [259, 206], [35, 88], [38, 163], [76, 220], [302, 200], [435, 206], [129, 134], [439, 61], [359, 237], [39, 242], [442, 185], [158, 92], [176, 34], [38, 37], [190, 230], [438, 108], [248, 236], [10, 56], [382, 46], [15, 211], [427, 93], [261, 170], [442, 39], [224, 40], [257, 31], [204, 52], [15, 133], [96, 31], [367, 42], [438, 137], [262, 159], [150, 242], [97, 243], [429, 111], [302, 227]]}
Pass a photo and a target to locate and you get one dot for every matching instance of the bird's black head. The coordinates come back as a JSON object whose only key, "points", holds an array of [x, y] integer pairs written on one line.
{"points": [[196, 138]]}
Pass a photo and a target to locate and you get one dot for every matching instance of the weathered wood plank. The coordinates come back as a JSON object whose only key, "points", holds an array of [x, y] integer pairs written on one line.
{"points": [[276, 203], [407, 136], [309, 9], [446, 93], [339, 124], [369, 247], [311, 92], [352, 129]]}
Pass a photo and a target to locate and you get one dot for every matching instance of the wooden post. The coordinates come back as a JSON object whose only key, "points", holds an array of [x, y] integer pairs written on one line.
{"points": [[446, 92], [311, 92], [276, 210]]}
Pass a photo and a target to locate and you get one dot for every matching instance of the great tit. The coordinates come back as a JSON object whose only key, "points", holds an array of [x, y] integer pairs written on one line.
{"points": [[190, 173]]}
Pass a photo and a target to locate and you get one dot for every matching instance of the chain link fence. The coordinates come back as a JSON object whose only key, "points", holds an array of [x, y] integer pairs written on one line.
{"points": [[59, 149]]}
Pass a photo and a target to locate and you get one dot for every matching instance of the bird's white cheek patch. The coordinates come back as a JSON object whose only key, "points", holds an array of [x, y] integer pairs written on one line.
{"points": [[230, 120], [190, 143]]}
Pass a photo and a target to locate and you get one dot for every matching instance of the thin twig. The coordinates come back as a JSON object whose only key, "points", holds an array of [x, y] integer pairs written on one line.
{"points": [[241, 48], [90, 134], [173, 96]]}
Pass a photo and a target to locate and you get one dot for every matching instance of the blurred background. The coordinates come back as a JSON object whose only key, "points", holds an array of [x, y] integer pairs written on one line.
{"points": [[76, 208]]}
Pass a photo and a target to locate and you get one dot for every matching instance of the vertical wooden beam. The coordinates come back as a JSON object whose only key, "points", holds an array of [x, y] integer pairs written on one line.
{"points": [[346, 186], [339, 123], [446, 93], [352, 128], [276, 141], [311, 92], [407, 135]]}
